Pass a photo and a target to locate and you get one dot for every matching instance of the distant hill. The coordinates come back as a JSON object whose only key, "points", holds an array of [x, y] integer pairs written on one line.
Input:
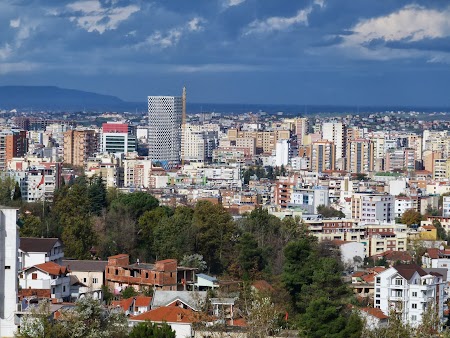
{"points": [[55, 98]]}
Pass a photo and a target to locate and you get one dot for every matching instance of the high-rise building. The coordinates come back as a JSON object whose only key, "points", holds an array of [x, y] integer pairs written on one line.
{"points": [[13, 143], [118, 138], [79, 145], [322, 156], [164, 132], [360, 156], [336, 132], [301, 128], [9, 248]]}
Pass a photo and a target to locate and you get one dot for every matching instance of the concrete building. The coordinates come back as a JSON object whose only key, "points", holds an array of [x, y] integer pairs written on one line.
{"points": [[164, 133], [33, 251], [47, 276], [336, 132], [372, 208], [282, 153], [79, 145], [323, 156], [409, 290], [309, 199], [13, 143], [118, 138], [301, 128], [89, 272], [9, 245], [446, 206], [137, 172], [106, 166], [360, 156]]}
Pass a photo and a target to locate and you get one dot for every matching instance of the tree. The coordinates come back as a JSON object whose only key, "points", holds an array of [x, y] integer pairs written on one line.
{"points": [[151, 330], [194, 261], [250, 256], [214, 229], [96, 193], [89, 319], [39, 323], [411, 217], [262, 317], [31, 226], [17, 195], [441, 232], [129, 292], [328, 212]]}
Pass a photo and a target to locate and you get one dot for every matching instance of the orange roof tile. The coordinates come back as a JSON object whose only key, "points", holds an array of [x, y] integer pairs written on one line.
{"points": [[237, 322], [124, 303], [359, 274], [171, 314], [52, 268], [375, 312], [142, 301]]}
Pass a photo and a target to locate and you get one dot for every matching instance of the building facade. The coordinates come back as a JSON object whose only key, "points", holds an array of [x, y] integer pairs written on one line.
{"points": [[164, 133]]}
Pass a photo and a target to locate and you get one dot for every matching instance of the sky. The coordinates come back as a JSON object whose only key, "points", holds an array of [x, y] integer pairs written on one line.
{"points": [[327, 52]]}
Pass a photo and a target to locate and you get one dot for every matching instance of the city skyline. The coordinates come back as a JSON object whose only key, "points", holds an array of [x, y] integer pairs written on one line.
{"points": [[334, 52]]}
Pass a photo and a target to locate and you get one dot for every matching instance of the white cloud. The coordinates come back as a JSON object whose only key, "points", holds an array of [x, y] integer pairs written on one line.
{"points": [[14, 23], [232, 3], [5, 51], [215, 68], [280, 23], [92, 16], [16, 67], [162, 40], [410, 24]]}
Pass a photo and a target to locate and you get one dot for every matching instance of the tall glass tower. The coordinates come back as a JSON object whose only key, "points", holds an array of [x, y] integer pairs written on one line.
{"points": [[164, 132]]}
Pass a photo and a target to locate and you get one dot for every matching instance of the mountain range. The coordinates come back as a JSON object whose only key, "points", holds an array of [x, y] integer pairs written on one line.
{"points": [[55, 98]]}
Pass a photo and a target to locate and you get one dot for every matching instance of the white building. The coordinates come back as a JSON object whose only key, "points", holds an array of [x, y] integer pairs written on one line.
{"points": [[403, 203], [336, 132], [282, 153], [309, 199], [446, 206], [9, 244], [137, 172], [89, 272], [33, 251], [409, 289], [372, 208], [47, 276], [164, 133]]}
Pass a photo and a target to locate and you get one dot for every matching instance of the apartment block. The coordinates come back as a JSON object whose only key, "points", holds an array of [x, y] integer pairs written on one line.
{"points": [[79, 145]]}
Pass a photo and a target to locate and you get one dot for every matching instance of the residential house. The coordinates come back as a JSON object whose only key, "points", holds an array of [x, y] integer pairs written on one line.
{"points": [[163, 275], [205, 282], [34, 251], [374, 318], [409, 290], [89, 272], [134, 305], [193, 300], [180, 320], [49, 276]]}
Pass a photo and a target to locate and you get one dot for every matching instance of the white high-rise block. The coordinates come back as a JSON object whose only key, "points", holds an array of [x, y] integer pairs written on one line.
{"points": [[9, 246], [164, 132]]}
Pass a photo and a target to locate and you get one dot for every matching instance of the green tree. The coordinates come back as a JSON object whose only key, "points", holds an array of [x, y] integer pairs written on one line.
{"points": [[441, 232], [17, 195], [7, 185], [31, 226], [250, 256], [194, 261], [96, 193], [151, 330], [328, 212], [39, 324], [214, 229], [134, 204], [410, 217], [78, 237], [129, 292]]}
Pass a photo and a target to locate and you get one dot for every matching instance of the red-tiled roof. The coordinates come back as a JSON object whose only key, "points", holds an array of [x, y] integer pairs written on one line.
{"points": [[375, 312], [377, 269], [124, 303], [359, 274], [408, 270], [142, 301], [368, 278], [171, 314], [428, 227], [262, 285], [51, 268], [237, 322]]}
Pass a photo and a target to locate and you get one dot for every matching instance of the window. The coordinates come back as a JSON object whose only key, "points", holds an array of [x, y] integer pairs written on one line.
{"points": [[84, 280], [398, 281], [414, 306], [64, 288], [34, 276], [377, 301], [378, 279], [95, 280], [7, 267], [414, 294], [413, 318]]}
